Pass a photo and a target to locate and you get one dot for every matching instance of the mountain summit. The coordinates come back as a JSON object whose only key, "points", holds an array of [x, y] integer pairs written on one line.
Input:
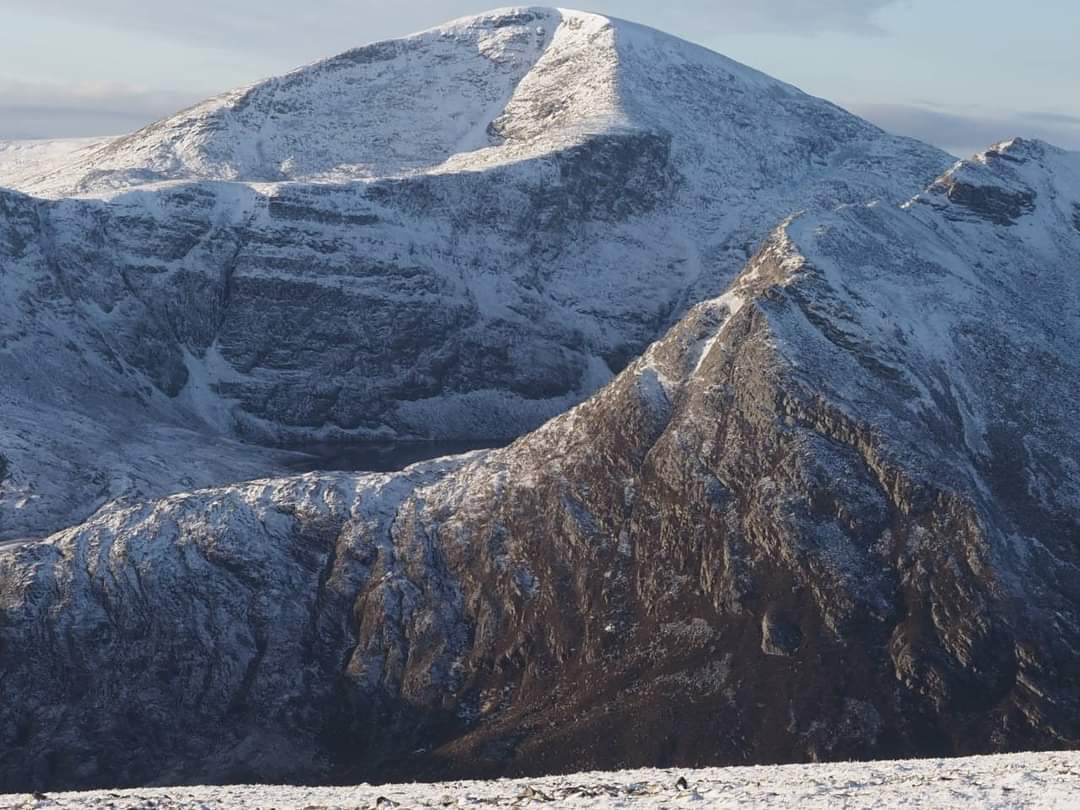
{"points": [[478, 93]]}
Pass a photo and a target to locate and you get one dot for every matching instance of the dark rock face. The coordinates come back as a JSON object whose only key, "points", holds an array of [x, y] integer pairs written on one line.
{"points": [[779, 636], [991, 189], [815, 521], [401, 330], [995, 204]]}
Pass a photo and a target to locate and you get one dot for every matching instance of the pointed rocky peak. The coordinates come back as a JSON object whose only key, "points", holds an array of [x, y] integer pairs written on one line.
{"points": [[1005, 182]]}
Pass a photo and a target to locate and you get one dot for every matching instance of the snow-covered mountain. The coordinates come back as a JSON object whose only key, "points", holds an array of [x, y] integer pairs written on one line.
{"points": [[833, 513], [455, 235], [505, 87]]}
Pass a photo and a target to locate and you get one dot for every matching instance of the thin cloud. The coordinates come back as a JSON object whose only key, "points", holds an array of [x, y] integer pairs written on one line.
{"points": [[51, 110], [287, 28], [293, 34], [797, 16], [1056, 118], [967, 131]]}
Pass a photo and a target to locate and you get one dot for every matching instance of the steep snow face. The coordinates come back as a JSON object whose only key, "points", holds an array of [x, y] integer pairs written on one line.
{"points": [[456, 235], [831, 514]]}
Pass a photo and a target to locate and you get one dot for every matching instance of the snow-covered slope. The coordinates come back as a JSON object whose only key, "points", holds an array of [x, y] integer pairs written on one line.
{"points": [[1035, 781], [480, 92], [973, 328], [832, 513], [455, 235], [23, 161]]}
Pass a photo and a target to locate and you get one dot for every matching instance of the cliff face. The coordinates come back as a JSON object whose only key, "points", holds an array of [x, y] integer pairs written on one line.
{"points": [[456, 235], [833, 513]]}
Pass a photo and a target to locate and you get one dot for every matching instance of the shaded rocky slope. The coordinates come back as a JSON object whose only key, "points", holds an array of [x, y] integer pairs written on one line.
{"points": [[456, 235], [833, 513]]}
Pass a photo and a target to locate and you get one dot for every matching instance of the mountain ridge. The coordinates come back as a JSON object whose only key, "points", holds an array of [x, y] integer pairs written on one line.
{"points": [[829, 515]]}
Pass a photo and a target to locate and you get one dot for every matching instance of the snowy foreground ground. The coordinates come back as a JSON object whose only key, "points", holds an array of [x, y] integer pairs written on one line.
{"points": [[1025, 780]]}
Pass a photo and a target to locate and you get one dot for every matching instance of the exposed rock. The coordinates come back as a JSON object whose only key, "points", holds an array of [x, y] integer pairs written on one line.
{"points": [[989, 187], [779, 636], [993, 203]]}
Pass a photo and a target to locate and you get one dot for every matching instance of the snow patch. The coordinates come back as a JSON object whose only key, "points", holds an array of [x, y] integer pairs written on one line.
{"points": [[1034, 781]]}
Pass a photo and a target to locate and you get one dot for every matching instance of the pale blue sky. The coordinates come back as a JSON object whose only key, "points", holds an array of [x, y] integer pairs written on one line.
{"points": [[959, 73]]}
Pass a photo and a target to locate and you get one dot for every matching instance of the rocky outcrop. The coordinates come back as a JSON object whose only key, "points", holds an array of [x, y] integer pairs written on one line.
{"points": [[832, 514]]}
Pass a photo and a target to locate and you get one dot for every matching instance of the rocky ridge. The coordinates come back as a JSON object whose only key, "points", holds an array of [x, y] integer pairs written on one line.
{"points": [[832, 513]]}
